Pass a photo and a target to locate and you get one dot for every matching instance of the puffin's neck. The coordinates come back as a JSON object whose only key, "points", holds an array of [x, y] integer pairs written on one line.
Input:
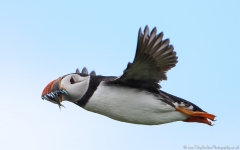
{"points": [[93, 84]]}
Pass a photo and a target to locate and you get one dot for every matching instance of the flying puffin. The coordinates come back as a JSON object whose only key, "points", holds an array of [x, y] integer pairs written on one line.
{"points": [[134, 97]]}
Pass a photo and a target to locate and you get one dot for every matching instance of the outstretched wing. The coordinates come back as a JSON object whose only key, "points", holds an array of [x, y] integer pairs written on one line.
{"points": [[153, 58]]}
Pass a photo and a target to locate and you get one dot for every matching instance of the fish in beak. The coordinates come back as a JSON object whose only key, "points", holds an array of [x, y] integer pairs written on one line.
{"points": [[53, 92]]}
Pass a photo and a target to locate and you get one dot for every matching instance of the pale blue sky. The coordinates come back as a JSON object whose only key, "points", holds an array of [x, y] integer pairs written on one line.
{"points": [[42, 40]]}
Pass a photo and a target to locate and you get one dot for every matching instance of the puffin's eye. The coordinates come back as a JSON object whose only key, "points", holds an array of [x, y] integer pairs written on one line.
{"points": [[72, 81]]}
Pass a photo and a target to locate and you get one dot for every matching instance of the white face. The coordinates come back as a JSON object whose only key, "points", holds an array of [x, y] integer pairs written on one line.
{"points": [[75, 85]]}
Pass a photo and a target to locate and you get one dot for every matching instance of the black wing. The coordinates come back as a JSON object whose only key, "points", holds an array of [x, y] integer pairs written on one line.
{"points": [[153, 58]]}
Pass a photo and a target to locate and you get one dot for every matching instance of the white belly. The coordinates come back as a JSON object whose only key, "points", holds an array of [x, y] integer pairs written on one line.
{"points": [[131, 105]]}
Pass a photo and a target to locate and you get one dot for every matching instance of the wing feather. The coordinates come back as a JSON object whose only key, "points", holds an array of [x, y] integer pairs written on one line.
{"points": [[153, 58]]}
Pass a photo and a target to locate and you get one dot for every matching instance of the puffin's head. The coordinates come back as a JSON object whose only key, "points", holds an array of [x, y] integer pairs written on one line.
{"points": [[70, 87]]}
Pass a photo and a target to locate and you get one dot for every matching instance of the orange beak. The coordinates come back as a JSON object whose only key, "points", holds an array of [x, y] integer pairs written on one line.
{"points": [[53, 92], [48, 88]]}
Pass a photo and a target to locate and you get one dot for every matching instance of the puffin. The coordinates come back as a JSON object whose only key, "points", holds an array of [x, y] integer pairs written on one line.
{"points": [[135, 96]]}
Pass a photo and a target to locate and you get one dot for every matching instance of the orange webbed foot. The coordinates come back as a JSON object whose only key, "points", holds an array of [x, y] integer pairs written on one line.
{"points": [[197, 116]]}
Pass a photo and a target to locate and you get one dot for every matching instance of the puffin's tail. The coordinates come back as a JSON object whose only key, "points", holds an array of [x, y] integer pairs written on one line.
{"points": [[196, 114]]}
